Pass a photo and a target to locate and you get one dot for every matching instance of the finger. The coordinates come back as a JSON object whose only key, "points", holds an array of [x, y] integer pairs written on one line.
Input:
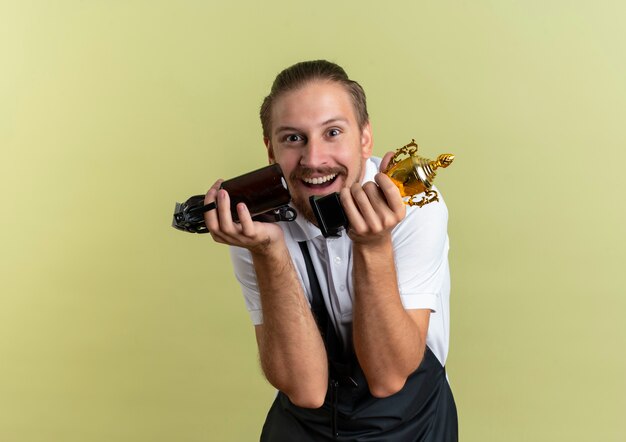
{"points": [[224, 215], [209, 198], [357, 223], [371, 204], [376, 198], [210, 217], [245, 220], [386, 216], [391, 193], [385, 161], [216, 185]]}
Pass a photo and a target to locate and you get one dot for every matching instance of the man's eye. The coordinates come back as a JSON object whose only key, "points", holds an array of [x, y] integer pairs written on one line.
{"points": [[293, 138], [333, 132]]}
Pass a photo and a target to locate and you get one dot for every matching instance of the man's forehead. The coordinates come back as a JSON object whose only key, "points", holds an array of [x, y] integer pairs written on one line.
{"points": [[314, 104]]}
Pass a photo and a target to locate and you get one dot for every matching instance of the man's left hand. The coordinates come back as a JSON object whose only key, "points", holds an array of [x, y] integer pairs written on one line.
{"points": [[373, 209]]}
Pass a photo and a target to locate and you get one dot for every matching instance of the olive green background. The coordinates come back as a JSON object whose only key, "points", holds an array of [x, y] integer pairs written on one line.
{"points": [[116, 327]]}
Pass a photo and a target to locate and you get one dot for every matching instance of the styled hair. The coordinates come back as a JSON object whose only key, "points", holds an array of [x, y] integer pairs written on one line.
{"points": [[305, 72]]}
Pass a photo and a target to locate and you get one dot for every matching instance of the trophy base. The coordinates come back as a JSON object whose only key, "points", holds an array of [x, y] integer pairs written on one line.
{"points": [[331, 218]]}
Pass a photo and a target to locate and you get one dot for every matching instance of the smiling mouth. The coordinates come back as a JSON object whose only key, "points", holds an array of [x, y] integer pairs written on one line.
{"points": [[321, 181]]}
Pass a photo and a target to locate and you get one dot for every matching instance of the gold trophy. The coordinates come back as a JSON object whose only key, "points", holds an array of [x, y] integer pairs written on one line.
{"points": [[413, 175]]}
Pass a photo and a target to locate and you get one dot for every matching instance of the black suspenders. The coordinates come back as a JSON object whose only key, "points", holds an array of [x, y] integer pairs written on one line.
{"points": [[334, 345], [340, 365]]}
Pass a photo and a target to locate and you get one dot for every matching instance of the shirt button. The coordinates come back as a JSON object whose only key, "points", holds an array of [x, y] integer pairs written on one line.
{"points": [[342, 287], [337, 260]]}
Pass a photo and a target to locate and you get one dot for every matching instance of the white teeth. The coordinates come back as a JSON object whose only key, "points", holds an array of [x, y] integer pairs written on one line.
{"points": [[319, 180]]}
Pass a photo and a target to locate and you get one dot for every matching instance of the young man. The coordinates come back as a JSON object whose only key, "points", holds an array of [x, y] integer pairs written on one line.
{"points": [[353, 331]]}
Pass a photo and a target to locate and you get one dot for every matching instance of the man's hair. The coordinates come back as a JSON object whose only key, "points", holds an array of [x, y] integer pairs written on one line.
{"points": [[304, 72]]}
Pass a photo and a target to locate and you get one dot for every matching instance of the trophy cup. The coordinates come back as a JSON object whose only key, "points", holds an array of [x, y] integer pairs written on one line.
{"points": [[412, 175]]}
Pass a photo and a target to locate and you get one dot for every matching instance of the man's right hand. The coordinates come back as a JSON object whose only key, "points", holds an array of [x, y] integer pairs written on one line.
{"points": [[255, 236]]}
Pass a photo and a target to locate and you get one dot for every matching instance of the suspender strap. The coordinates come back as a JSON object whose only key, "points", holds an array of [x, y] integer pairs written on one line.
{"points": [[325, 324]]}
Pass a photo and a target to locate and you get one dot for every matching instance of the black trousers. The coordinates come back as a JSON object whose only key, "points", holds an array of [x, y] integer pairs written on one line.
{"points": [[424, 411]]}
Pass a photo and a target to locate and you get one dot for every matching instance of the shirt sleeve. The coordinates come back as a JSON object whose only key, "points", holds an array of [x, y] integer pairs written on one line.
{"points": [[421, 256], [246, 276]]}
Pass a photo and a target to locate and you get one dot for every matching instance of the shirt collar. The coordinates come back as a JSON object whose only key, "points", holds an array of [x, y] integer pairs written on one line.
{"points": [[301, 229]]}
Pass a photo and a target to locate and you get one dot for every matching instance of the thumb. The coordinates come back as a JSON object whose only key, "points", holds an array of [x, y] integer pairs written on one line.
{"points": [[385, 162]]}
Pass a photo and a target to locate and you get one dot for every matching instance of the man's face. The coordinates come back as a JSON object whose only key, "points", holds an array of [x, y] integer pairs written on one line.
{"points": [[316, 140]]}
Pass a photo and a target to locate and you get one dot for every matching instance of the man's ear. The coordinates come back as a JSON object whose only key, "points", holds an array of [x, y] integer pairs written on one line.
{"points": [[270, 150], [367, 141]]}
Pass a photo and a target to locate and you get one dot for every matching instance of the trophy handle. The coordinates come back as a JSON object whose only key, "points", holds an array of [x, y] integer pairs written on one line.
{"points": [[429, 197], [407, 149]]}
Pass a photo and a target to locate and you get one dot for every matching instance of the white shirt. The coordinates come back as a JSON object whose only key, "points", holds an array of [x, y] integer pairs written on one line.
{"points": [[420, 243]]}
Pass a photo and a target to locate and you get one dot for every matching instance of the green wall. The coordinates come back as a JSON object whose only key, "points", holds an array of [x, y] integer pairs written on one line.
{"points": [[116, 327]]}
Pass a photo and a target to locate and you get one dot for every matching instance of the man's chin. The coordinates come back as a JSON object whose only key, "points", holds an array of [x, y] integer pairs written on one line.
{"points": [[304, 209]]}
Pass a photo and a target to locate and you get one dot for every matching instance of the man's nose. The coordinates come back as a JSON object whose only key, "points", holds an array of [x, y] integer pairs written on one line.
{"points": [[315, 154]]}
